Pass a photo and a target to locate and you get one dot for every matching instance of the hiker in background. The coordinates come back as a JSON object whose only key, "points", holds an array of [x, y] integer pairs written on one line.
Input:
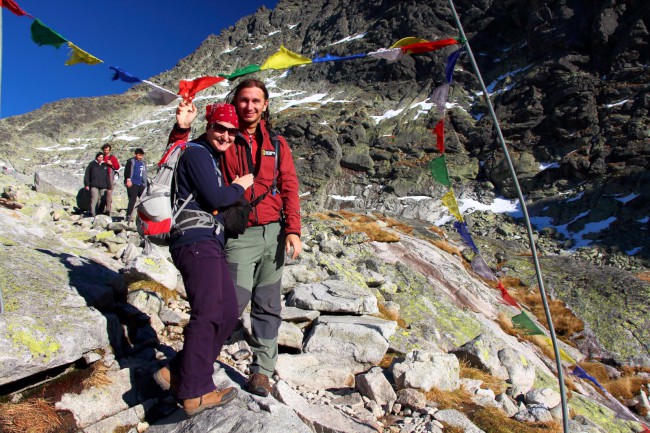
{"points": [[135, 180], [96, 181], [113, 165], [199, 255], [256, 257]]}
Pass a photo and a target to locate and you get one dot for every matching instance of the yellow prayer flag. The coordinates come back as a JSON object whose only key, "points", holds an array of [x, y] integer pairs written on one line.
{"points": [[284, 59], [563, 355], [407, 41], [449, 200], [80, 56]]}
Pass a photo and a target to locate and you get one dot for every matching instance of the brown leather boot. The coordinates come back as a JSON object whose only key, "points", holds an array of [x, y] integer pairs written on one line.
{"points": [[166, 380], [212, 399], [258, 383]]}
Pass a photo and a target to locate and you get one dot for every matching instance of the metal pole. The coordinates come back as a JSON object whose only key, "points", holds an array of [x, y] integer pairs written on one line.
{"points": [[531, 240], [1, 12], [2, 304]]}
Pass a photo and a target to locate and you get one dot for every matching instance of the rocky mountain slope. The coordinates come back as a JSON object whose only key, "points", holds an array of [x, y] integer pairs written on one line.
{"points": [[569, 81]]}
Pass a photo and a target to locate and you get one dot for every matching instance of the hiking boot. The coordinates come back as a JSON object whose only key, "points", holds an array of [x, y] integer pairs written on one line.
{"points": [[166, 380], [216, 398], [259, 384]]}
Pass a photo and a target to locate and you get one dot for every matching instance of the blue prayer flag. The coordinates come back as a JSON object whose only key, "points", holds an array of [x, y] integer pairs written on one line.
{"points": [[451, 64], [121, 74], [331, 58]]}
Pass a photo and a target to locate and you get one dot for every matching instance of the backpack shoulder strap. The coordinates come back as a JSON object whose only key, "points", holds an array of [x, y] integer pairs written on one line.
{"points": [[276, 143], [193, 193]]}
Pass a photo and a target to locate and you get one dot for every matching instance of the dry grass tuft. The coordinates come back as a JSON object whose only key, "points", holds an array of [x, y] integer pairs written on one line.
{"points": [[565, 322], [437, 230], [356, 223], [626, 387], [448, 428], [33, 416], [98, 377], [374, 232], [630, 371], [394, 224], [357, 217], [490, 382], [449, 399], [506, 324], [122, 429], [643, 276], [153, 286], [513, 282], [387, 360], [389, 315], [493, 420], [446, 246], [323, 216], [541, 342]]}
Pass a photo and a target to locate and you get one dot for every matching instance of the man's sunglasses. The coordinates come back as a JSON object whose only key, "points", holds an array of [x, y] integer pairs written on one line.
{"points": [[219, 128]]}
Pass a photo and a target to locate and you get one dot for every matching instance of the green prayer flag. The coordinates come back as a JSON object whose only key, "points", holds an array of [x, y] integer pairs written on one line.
{"points": [[439, 172], [243, 71], [43, 35], [522, 321]]}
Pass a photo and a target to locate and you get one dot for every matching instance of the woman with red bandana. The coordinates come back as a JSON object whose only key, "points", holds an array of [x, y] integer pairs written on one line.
{"points": [[198, 253]]}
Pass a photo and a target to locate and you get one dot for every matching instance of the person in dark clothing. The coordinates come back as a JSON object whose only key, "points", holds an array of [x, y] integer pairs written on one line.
{"points": [[199, 255], [135, 180], [97, 182]]}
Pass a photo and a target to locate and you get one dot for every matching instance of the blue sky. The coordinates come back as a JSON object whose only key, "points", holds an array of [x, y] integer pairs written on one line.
{"points": [[144, 37]]}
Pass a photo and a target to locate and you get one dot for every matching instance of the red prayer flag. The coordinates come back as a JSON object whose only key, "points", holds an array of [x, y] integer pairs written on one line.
{"points": [[187, 89], [506, 296], [439, 132], [13, 7], [425, 47]]}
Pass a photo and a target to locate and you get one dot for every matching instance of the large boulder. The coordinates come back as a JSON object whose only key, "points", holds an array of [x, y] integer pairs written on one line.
{"points": [[56, 182], [333, 296], [46, 322], [356, 341], [153, 266], [427, 370]]}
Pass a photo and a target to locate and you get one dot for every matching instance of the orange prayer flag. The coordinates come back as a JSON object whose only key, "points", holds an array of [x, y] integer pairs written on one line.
{"points": [[424, 47], [506, 296], [440, 135], [407, 41], [188, 88], [13, 7]]}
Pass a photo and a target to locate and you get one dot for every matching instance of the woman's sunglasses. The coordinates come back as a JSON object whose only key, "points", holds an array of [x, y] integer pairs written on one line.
{"points": [[219, 128]]}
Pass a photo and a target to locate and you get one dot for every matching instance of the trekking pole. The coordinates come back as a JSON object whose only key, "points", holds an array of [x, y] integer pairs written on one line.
{"points": [[531, 240]]}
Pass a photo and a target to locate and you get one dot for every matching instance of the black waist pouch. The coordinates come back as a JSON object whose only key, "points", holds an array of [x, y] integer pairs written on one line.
{"points": [[235, 217]]}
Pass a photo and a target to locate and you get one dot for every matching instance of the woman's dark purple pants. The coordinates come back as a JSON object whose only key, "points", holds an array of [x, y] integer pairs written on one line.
{"points": [[214, 314]]}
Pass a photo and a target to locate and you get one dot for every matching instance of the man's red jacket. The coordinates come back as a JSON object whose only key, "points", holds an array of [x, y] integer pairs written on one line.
{"points": [[234, 162], [113, 159]]}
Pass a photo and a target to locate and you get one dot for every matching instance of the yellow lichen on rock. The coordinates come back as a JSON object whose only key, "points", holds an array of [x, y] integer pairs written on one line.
{"points": [[35, 338]]}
